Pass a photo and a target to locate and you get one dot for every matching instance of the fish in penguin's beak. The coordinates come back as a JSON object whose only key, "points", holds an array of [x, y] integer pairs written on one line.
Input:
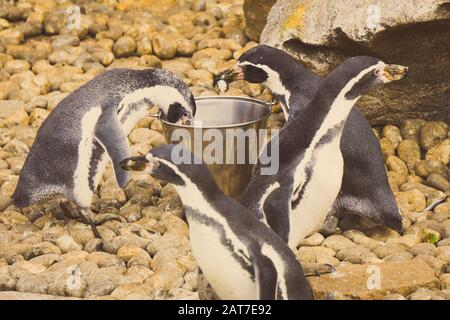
{"points": [[223, 79], [185, 120], [139, 164], [394, 72]]}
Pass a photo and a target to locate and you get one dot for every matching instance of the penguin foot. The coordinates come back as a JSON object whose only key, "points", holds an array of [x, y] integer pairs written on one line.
{"points": [[88, 217], [100, 219], [316, 269]]}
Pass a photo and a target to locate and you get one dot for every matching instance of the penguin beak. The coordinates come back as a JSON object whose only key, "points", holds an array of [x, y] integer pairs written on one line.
{"points": [[139, 164], [222, 80], [393, 72]]}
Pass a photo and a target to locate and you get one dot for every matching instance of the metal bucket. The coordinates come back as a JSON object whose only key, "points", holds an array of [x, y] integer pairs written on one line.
{"points": [[229, 115]]}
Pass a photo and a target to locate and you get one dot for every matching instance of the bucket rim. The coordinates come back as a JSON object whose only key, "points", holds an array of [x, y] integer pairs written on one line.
{"points": [[257, 101]]}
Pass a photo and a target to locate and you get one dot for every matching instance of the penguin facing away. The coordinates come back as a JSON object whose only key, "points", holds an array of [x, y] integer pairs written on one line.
{"points": [[90, 127], [365, 188], [296, 200], [241, 257]]}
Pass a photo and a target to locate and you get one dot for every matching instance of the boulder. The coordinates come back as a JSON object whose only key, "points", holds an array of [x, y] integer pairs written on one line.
{"points": [[256, 12], [355, 281], [413, 33]]}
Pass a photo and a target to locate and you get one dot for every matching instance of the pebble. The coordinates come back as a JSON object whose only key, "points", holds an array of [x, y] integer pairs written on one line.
{"points": [[411, 200], [167, 241], [440, 152], [313, 240], [126, 253], [437, 181], [400, 256], [421, 294], [408, 241], [104, 281], [124, 47], [357, 255], [360, 238], [32, 283], [164, 47], [394, 296], [410, 129], [431, 134], [394, 163], [424, 168], [393, 134], [422, 249], [186, 47], [387, 148], [337, 242], [409, 152], [104, 260], [16, 66], [320, 255], [41, 249], [67, 244]]}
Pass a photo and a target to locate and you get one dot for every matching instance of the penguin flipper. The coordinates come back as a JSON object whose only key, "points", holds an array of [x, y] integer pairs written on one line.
{"points": [[365, 189], [109, 134], [276, 210], [265, 275]]}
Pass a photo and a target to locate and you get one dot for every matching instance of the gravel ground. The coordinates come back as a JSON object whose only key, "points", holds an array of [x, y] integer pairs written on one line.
{"points": [[148, 255]]}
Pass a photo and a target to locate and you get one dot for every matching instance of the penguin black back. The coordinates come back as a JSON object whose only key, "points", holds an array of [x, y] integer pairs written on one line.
{"points": [[240, 256], [109, 105], [365, 188]]}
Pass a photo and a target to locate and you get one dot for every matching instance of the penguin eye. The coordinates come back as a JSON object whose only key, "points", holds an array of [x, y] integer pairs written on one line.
{"points": [[377, 72], [185, 114]]}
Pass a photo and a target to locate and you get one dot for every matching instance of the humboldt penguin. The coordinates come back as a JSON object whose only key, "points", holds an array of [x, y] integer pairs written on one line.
{"points": [[296, 200], [240, 256], [89, 127], [365, 189]]}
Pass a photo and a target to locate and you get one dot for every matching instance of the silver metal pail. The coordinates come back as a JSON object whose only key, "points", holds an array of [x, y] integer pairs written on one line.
{"points": [[230, 118]]}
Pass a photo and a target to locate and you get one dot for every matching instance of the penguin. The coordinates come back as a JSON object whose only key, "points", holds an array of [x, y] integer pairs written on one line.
{"points": [[365, 188], [90, 127], [297, 199], [241, 257]]}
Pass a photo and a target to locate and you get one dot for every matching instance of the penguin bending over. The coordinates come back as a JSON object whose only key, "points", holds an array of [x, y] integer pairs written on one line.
{"points": [[365, 188], [241, 257], [90, 127], [295, 201]]}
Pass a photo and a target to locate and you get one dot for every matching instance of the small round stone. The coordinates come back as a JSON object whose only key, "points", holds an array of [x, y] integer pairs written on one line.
{"points": [[124, 47], [164, 47], [392, 133], [437, 181], [409, 152], [431, 134]]}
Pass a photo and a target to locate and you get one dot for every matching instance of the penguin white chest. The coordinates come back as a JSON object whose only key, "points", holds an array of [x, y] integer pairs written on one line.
{"points": [[215, 258], [81, 191], [320, 192]]}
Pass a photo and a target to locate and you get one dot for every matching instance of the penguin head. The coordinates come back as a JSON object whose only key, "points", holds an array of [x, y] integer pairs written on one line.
{"points": [[261, 64], [177, 103], [359, 75], [172, 163]]}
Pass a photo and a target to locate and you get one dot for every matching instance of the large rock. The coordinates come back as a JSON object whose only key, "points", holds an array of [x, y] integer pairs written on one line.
{"points": [[323, 33], [256, 12], [355, 281]]}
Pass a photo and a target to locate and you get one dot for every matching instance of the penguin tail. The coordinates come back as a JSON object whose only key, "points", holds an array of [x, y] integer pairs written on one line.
{"points": [[393, 221], [21, 198]]}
